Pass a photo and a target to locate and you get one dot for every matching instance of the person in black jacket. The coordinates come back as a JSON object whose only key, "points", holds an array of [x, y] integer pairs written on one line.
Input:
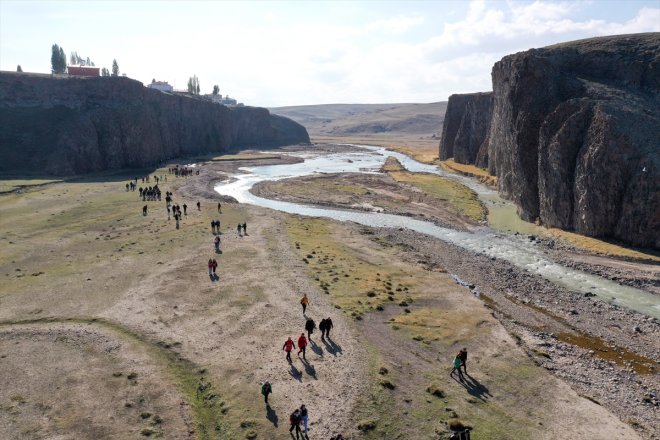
{"points": [[322, 327], [295, 419], [310, 325], [328, 327]]}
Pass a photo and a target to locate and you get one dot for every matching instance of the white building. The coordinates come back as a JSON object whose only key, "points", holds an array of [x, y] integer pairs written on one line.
{"points": [[163, 86]]}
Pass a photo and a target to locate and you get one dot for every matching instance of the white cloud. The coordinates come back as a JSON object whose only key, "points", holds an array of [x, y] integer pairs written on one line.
{"points": [[396, 24]]}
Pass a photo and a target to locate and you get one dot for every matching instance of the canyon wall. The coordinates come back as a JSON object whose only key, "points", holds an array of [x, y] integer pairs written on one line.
{"points": [[575, 136], [68, 125], [466, 127]]}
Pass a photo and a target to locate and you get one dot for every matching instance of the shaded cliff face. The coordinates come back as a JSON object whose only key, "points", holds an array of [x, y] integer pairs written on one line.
{"points": [[78, 125], [465, 128], [575, 136]]}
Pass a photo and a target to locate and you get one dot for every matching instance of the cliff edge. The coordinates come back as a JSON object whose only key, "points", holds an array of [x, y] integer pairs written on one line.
{"points": [[465, 128], [575, 136], [65, 126]]}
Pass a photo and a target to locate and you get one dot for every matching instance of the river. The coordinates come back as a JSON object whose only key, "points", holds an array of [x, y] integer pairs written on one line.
{"points": [[515, 249]]}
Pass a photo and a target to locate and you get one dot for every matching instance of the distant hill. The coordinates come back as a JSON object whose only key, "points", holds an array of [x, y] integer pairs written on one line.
{"points": [[339, 120]]}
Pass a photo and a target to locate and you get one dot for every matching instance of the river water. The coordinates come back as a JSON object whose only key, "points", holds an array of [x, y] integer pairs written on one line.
{"points": [[517, 250]]}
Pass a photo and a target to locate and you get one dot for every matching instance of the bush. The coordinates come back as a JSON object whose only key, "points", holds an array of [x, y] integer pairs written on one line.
{"points": [[435, 390], [366, 425]]}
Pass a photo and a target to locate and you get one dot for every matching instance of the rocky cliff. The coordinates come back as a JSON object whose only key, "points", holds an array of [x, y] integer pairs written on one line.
{"points": [[69, 126], [575, 136], [466, 127]]}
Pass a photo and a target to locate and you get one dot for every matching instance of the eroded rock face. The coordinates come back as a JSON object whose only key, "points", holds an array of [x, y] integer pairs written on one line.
{"points": [[575, 136], [465, 128], [78, 125]]}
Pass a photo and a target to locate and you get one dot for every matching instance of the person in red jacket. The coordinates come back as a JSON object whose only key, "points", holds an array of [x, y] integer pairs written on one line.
{"points": [[288, 346], [302, 344]]}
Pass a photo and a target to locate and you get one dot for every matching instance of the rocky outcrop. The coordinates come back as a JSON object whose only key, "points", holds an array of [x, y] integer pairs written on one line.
{"points": [[465, 128], [575, 136], [67, 126]]}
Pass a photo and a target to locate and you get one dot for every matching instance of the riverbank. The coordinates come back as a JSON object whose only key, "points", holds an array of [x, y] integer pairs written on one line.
{"points": [[141, 290]]}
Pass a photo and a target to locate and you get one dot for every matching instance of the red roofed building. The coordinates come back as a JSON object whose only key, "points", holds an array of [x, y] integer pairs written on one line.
{"points": [[83, 70]]}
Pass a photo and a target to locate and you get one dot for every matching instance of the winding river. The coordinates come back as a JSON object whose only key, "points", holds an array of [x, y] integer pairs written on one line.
{"points": [[514, 249]]}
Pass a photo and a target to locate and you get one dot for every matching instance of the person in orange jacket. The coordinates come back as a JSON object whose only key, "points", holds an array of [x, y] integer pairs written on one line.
{"points": [[288, 346], [302, 345], [304, 301]]}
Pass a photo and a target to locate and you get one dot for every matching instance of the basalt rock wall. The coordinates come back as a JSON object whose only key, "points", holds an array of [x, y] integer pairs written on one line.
{"points": [[65, 126], [466, 127], [575, 136]]}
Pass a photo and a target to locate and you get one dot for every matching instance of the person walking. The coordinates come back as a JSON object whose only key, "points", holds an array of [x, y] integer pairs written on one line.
{"points": [[238, 229], [266, 389], [328, 327], [244, 228], [199, 206], [457, 367], [294, 419], [302, 345], [322, 327], [213, 226], [210, 267], [304, 301], [219, 208], [462, 355], [215, 266], [288, 346], [185, 209], [304, 417], [310, 325], [216, 241]]}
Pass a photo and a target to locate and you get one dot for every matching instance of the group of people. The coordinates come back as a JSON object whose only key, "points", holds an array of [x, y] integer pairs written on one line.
{"points": [[150, 193], [215, 227], [300, 415], [182, 171], [241, 226], [213, 265]]}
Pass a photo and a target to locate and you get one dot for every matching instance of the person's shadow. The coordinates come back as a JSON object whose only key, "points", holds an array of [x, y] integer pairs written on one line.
{"points": [[332, 347], [271, 415], [295, 373], [475, 388], [315, 348], [309, 369]]}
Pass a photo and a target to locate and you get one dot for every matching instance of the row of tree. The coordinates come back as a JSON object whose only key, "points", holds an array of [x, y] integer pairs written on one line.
{"points": [[193, 86], [58, 62]]}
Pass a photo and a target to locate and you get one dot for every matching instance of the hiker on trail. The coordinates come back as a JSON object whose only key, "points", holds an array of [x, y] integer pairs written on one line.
{"points": [[457, 367], [238, 229], [217, 226], [168, 212], [199, 206], [215, 266], [288, 346], [210, 267], [310, 325], [185, 208], [244, 228], [294, 419], [219, 208], [462, 355], [302, 345], [177, 216], [266, 389], [328, 327], [322, 327], [304, 301], [304, 417], [144, 210], [213, 226], [217, 244]]}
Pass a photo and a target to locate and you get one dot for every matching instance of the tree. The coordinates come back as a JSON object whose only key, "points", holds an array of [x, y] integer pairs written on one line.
{"points": [[153, 80], [105, 72], [57, 59], [216, 90], [193, 85], [19, 68], [115, 68], [88, 62]]}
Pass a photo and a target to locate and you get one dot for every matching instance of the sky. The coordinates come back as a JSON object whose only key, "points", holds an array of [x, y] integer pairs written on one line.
{"points": [[276, 53]]}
